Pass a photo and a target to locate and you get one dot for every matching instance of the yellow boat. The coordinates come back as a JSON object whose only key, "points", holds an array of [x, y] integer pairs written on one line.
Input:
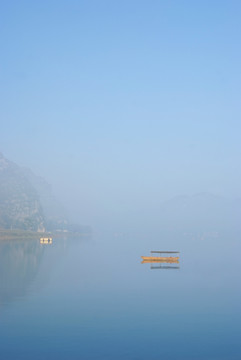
{"points": [[161, 259]]}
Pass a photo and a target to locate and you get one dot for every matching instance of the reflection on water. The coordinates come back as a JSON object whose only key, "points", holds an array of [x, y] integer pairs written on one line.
{"points": [[165, 267], [97, 292], [19, 265], [162, 261]]}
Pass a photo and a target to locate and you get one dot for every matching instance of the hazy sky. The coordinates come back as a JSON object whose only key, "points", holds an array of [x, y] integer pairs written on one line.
{"points": [[121, 104]]}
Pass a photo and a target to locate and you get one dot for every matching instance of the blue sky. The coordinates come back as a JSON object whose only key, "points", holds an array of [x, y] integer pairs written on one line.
{"points": [[121, 104]]}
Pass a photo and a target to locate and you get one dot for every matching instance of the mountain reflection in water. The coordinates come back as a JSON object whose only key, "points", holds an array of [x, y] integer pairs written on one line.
{"points": [[19, 264]]}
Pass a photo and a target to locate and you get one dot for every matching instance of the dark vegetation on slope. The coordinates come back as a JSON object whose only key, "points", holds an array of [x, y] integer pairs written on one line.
{"points": [[27, 202]]}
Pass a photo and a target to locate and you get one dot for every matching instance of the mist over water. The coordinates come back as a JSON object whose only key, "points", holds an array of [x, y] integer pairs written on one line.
{"points": [[131, 112], [93, 299]]}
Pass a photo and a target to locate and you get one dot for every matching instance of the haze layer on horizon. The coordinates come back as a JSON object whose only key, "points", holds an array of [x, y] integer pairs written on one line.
{"points": [[121, 105]]}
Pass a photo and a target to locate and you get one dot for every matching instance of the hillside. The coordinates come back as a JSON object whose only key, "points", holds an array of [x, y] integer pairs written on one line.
{"points": [[20, 207], [26, 200]]}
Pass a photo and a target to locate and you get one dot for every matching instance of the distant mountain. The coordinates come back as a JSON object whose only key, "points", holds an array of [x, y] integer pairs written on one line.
{"points": [[200, 211], [26, 200], [54, 213]]}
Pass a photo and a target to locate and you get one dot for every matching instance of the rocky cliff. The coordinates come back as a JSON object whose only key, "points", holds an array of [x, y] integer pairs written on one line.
{"points": [[26, 201], [20, 207]]}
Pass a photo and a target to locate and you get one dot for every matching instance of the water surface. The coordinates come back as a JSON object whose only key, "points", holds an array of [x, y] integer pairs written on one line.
{"points": [[93, 299]]}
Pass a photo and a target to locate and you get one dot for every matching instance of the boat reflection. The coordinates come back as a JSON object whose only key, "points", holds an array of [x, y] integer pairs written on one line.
{"points": [[165, 267]]}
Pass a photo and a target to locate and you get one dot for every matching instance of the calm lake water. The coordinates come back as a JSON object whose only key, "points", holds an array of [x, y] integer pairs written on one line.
{"points": [[93, 299]]}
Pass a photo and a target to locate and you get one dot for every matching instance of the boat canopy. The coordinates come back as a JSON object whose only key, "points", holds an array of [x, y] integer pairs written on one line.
{"points": [[166, 252]]}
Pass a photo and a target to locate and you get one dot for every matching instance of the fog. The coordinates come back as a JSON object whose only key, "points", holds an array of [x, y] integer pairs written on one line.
{"points": [[123, 107]]}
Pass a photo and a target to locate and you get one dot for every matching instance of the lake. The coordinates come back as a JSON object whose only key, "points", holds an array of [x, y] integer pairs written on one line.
{"points": [[91, 298]]}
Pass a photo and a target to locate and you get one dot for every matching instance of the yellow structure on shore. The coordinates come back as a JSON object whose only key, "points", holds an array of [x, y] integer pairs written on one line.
{"points": [[46, 240]]}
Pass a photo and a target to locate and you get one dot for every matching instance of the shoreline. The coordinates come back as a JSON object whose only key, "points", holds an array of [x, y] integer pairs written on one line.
{"points": [[6, 235]]}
